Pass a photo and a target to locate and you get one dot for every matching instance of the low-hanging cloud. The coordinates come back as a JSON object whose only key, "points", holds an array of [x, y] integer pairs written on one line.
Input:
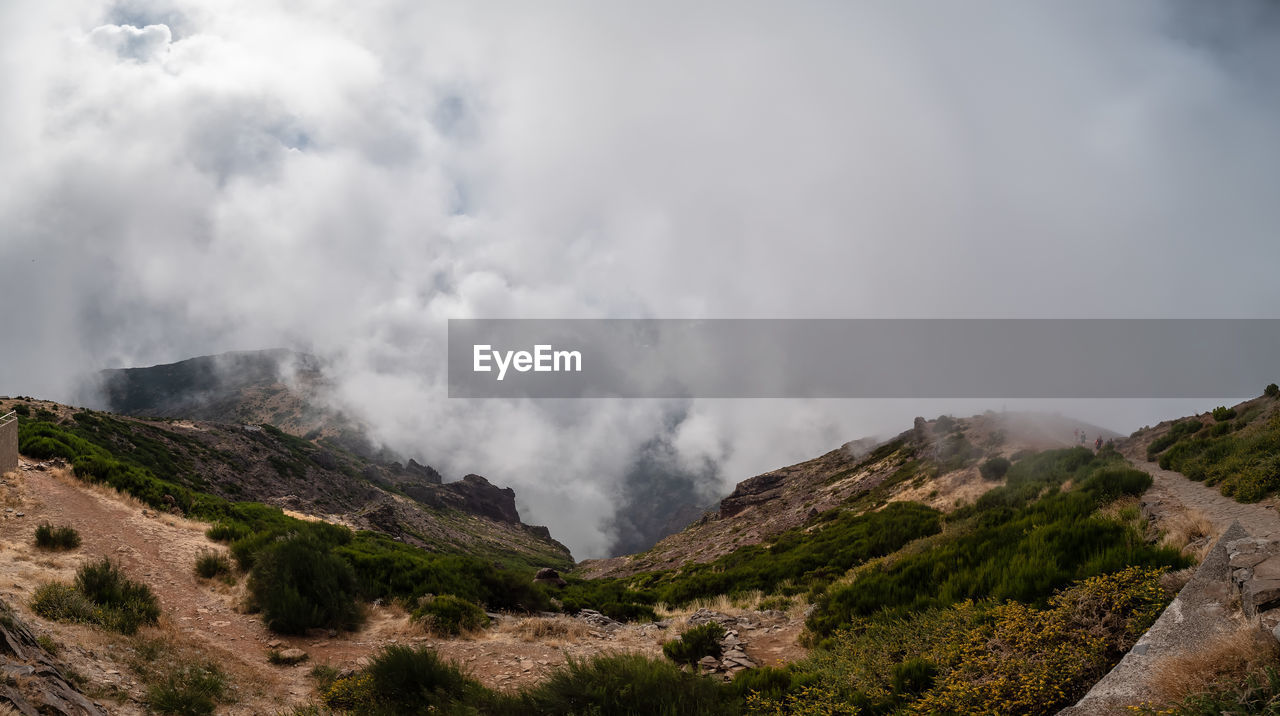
{"points": [[184, 178]]}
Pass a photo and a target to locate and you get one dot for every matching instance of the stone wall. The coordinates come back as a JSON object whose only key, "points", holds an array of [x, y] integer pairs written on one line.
{"points": [[1202, 611], [8, 444]]}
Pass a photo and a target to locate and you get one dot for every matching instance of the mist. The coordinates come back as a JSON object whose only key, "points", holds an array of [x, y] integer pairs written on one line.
{"points": [[185, 178]]}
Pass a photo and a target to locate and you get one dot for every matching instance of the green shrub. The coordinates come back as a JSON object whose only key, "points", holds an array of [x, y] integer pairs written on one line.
{"points": [[1021, 541], [210, 564], [1038, 661], [190, 690], [22, 409], [778, 603], [227, 532], [299, 584], [123, 605], [47, 643], [695, 643], [447, 615], [770, 683], [62, 603], [1272, 390], [626, 685], [914, 676], [56, 538], [1223, 413], [803, 558], [995, 468], [412, 681], [626, 612]]}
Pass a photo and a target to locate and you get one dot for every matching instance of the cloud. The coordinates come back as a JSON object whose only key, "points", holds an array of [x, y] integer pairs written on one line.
{"points": [[185, 178], [136, 43]]}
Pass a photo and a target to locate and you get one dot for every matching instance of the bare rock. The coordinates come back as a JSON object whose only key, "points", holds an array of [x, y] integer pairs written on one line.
{"points": [[34, 682], [547, 575], [483, 498]]}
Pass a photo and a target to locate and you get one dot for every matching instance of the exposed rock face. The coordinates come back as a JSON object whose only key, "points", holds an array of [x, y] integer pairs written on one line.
{"points": [[483, 498], [425, 473], [33, 683], [752, 491]]}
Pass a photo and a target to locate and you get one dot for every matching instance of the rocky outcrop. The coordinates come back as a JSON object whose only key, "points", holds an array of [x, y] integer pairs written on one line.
{"points": [[483, 498], [547, 575], [33, 682], [425, 473], [752, 491]]}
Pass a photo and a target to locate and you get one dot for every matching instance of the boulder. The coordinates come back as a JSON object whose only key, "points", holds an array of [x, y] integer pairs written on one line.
{"points": [[547, 575]]}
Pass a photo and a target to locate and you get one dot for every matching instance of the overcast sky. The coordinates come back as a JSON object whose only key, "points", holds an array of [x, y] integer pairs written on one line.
{"points": [[181, 178]]}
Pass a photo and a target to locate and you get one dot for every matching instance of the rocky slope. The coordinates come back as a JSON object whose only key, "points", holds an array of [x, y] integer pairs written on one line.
{"points": [[261, 463], [287, 389], [935, 463], [34, 682]]}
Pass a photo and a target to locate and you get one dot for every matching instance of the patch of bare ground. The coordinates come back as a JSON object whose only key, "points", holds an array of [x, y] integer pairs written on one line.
{"points": [[204, 620]]}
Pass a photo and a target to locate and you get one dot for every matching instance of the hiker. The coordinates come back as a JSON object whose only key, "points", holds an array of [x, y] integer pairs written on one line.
{"points": [[1097, 444]]}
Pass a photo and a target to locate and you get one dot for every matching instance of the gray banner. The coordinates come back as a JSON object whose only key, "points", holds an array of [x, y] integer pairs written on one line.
{"points": [[862, 358]]}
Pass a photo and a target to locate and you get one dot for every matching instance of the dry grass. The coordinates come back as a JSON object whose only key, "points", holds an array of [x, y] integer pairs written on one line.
{"points": [[1174, 581], [739, 605], [11, 490], [65, 476], [1185, 528], [1225, 659], [545, 629]]}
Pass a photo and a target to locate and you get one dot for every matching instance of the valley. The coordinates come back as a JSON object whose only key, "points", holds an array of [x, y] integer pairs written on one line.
{"points": [[873, 579]]}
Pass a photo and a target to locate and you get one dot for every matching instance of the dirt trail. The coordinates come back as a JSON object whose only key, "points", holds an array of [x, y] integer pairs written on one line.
{"points": [[160, 550], [154, 548], [1259, 519]]}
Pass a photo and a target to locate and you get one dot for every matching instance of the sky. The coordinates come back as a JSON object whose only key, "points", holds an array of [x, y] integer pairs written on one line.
{"points": [[183, 178]]}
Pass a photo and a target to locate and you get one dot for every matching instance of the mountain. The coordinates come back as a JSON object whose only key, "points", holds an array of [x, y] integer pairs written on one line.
{"points": [[285, 388], [317, 478], [963, 566], [935, 463]]}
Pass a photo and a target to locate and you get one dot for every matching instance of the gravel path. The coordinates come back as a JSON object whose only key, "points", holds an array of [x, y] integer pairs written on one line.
{"points": [[1260, 519]]}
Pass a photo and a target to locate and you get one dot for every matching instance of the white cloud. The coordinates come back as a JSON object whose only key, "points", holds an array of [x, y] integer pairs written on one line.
{"points": [[136, 43]]}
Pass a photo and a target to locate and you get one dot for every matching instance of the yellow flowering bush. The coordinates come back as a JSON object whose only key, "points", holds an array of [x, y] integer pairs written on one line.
{"points": [[350, 692], [1036, 661]]}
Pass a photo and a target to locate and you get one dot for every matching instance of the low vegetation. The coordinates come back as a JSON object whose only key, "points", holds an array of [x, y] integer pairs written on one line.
{"points": [[211, 564], [177, 681], [56, 538], [298, 584], [1018, 542], [1237, 450], [695, 643], [102, 595], [379, 567], [447, 615], [972, 657], [189, 690], [403, 680]]}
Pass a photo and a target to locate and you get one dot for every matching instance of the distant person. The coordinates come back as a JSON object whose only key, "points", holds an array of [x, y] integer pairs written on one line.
{"points": [[1097, 444]]}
